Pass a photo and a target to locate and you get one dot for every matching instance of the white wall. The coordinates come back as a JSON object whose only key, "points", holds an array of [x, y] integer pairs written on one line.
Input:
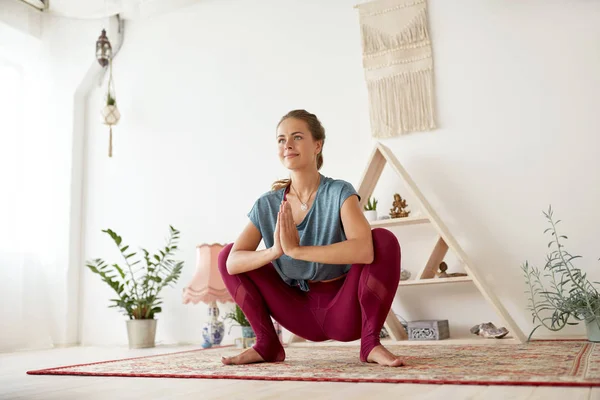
{"points": [[201, 90]]}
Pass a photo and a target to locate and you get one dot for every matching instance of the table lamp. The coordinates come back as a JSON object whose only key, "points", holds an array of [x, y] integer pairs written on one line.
{"points": [[207, 286]]}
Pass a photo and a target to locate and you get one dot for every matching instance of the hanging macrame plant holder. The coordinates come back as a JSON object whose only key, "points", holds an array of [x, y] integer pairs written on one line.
{"points": [[110, 113]]}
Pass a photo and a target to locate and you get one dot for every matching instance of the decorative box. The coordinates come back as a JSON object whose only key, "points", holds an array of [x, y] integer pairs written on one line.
{"points": [[428, 330]]}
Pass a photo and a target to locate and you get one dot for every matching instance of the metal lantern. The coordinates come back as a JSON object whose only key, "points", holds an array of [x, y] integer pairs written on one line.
{"points": [[103, 49]]}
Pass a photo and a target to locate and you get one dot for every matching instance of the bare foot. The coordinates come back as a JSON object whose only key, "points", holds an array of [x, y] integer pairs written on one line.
{"points": [[382, 356], [248, 356]]}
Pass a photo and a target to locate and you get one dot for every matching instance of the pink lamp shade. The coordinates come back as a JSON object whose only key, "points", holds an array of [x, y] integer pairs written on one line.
{"points": [[206, 285]]}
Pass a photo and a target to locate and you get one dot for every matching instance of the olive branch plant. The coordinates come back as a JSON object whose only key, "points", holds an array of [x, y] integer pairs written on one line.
{"points": [[570, 294]]}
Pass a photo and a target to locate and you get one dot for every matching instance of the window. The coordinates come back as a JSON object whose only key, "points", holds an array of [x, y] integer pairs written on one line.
{"points": [[11, 152]]}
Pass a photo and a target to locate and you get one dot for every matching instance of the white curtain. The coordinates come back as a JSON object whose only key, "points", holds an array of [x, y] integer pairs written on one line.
{"points": [[25, 317]]}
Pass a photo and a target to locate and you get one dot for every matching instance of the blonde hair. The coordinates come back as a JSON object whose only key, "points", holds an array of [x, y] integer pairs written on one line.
{"points": [[316, 130]]}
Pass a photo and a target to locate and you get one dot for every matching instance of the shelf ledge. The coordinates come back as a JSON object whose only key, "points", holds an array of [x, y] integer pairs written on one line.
{"points": [[382, 223], [433, 281]]}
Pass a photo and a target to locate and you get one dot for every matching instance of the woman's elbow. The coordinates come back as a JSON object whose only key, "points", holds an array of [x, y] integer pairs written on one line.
{"points": [[368, 254], [230, 266], [369, 257]]}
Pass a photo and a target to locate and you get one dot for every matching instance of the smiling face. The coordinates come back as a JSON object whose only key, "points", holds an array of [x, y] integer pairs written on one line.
{"points": [[296, 145]]}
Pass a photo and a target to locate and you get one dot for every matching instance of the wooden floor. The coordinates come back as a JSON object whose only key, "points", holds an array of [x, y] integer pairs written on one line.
{"points": [[16, 384]]}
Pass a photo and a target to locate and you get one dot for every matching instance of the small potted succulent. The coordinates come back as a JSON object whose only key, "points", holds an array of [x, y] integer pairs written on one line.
{"points": [[371, 209]]}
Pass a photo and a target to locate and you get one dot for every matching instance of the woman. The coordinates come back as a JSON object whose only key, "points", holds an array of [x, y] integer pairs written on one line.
{"points": [[324, 273]]}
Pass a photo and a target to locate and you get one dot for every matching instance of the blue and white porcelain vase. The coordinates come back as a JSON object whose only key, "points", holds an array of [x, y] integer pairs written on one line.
{"points": [[213, 330]]}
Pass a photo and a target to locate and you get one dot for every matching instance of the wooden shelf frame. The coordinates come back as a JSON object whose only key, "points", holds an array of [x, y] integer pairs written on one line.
{"points": [[381, 156]]}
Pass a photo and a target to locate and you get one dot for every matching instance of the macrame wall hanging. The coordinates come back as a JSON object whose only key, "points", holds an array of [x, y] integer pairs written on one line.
{"points": [[398, 65]]}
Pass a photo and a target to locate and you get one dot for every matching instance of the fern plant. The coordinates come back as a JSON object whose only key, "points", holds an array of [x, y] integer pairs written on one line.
{"points": [[138, 286], [570, 294], [371, 204]]}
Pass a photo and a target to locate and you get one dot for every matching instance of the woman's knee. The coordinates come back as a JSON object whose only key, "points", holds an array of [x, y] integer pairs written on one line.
{"points": [[384, 241], [387, 255], [223, 256]]}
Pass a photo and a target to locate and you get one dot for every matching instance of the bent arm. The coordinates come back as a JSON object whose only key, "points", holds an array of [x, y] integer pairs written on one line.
{"points": [[244, 257], [357, 249]]}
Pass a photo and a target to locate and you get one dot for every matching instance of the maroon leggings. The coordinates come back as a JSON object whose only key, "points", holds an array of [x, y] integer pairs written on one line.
{"points": [[347, 309]]}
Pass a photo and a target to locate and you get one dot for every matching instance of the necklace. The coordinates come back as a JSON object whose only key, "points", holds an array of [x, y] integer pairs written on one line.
{"points": [[304, 205]]}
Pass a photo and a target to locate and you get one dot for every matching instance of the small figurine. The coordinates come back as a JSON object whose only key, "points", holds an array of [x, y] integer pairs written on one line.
{"points": [[443, 274], [399, 207]]}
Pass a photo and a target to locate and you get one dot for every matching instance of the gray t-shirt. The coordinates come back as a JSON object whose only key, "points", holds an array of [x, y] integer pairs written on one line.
{"points": [[321, 226]]}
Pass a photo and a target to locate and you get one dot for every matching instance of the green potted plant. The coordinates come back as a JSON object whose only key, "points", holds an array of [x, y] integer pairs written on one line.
{"points": [[371, 209], [110, 100], [110, 116], [110, 113], [138, 285], [570, 295], [237, 315]]}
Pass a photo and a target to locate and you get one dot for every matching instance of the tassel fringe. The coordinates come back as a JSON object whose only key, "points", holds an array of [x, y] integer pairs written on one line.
{"points": [[401, 103]]}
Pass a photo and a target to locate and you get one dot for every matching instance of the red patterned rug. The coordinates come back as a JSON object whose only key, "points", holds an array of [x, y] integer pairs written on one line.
{"points": [[539, 363]]}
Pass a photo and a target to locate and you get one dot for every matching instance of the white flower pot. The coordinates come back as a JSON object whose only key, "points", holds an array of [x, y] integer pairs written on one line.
{"points": [[110, 115], [592, 329], [371, 215], [141, 333]]}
